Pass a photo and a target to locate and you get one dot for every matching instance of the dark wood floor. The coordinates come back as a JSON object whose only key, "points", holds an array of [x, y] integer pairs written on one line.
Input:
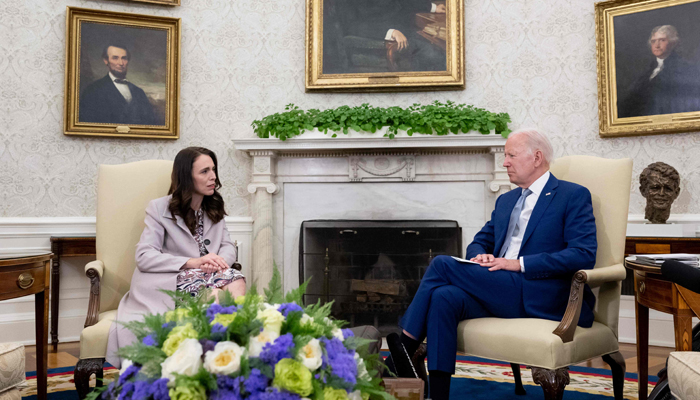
{"points": [[67, 356]]}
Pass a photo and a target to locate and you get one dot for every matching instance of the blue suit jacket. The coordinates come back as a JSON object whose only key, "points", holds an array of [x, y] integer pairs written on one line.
{"points": [[559, 240]]}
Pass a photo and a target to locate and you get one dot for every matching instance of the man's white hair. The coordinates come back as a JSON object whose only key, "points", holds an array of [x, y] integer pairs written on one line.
{"points": [[669, 30], [536, 141]]}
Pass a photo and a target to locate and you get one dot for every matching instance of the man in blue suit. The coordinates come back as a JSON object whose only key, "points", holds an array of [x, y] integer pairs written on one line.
{"points": [[539, 235]]}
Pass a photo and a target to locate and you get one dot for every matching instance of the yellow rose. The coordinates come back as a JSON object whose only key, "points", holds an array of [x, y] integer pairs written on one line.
{"points": [[334, 394], [176, 315], [176, 336], [239, 300], [223, 319], [272, 319], [193, 392]]}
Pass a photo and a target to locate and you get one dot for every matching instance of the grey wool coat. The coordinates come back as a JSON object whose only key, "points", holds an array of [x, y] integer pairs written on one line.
{"points": [[165, 246]]}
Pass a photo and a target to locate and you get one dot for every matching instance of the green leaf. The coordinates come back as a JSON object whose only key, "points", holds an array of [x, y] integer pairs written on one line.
{"points": [[274, 292]]}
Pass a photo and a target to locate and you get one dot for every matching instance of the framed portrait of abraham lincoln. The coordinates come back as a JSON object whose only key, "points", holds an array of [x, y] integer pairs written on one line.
{"points": [[384, 45], [122, 75], [648, 66]]}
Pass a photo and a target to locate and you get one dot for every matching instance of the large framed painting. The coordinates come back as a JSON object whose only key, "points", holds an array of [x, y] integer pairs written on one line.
{"points": [[384, 45], [122, 75], [648, 66], [164, 2]]}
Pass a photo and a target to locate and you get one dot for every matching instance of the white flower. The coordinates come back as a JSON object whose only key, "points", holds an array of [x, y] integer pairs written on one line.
{"points": [[356, 395], [225, 359], [361, 367], [338, 333], [256, 344], [185, 361], [271, 318], [310, 355], [125, 364], [305, 319]]}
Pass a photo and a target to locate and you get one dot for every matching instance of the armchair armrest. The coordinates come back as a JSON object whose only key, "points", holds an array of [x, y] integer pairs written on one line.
{"points": [[594, 278], [94, 271]]}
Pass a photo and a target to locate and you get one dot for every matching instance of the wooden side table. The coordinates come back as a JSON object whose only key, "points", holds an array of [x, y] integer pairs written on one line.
{"points": [[652, 291], [65, 246], [22, 276]]}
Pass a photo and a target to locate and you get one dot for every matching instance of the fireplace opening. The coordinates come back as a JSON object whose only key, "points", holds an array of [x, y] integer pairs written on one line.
{"points": [[371, 269]]}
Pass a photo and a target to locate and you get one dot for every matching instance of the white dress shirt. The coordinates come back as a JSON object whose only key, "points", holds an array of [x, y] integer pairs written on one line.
{"points": [[122, 87], [658, 68], [390, 32], [525, 213]]}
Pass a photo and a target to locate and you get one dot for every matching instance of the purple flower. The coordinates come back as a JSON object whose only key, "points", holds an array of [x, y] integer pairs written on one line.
{"points": [[131, 371], [340, 360], [218, 309], [109, 393], [168, 325], [207, 345], [347, 333], [140, 390], [218, 331], [277, 350], [286, 308], [224, 395], [224, 382], [159, 389], [126, 391], [256, 382], [274, 394], [149, 340]]}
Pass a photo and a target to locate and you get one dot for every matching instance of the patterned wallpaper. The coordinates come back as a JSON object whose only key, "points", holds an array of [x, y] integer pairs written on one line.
{"points": [[244, 59]]}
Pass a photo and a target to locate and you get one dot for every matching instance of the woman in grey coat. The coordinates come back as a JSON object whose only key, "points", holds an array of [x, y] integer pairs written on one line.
{"points": [[185, 246]]}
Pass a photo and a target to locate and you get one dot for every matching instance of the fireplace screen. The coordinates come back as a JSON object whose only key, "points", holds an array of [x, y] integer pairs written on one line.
{"points": [[371, 269]]}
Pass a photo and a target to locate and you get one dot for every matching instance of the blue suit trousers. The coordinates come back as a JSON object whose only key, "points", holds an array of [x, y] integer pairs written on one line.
{"points": [[450, 292]]}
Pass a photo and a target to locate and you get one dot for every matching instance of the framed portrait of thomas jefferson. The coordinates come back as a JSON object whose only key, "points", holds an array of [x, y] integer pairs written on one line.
{"points": [[122, 75], [648, 66], [384, 45]]}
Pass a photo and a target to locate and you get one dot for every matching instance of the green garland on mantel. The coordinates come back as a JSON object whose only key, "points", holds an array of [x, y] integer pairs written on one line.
{"points": [[439, 118]]}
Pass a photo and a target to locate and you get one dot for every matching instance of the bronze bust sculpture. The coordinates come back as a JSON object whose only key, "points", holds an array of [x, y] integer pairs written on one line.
{"points": [[660, 185]]}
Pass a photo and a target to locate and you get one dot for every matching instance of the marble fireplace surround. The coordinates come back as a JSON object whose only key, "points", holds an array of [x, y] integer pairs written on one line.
{"points": [[456, 177]]}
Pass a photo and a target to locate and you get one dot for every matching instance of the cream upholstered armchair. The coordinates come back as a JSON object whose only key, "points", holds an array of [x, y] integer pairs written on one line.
{"points": [[123, 192], [549, 347]]}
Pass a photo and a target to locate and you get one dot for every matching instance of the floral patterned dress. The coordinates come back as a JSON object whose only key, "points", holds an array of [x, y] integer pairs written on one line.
{"points": [[194, 280]]}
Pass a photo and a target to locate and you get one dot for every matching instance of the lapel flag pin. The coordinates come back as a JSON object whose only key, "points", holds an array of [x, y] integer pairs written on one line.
{"points": [[548, 194]]}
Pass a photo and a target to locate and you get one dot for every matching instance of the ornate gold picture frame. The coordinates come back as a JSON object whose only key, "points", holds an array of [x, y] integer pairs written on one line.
{"points": [[648, 66], [164, 2], [369, 45], [122, 76]]}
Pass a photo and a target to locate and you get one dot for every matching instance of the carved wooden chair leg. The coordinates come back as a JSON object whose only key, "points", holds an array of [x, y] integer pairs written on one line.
{"points": [[83, 370], [553, 381], [618, 366], [519, 389]]}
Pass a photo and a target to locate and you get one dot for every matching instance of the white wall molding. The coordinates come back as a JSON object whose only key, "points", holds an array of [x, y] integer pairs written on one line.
{"points": [[30, 235]]}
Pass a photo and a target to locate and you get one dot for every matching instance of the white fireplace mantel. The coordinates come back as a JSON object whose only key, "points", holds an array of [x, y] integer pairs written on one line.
{"points": [[461, 169]]}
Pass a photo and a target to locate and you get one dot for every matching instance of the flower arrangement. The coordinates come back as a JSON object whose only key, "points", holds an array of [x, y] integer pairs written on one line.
{"points": [[252, 347]]}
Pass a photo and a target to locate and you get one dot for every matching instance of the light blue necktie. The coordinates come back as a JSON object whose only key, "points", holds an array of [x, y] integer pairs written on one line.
{"points": [[514, 223]]}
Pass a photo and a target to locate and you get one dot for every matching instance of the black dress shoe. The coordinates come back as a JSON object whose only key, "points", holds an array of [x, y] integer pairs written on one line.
{"points": [[399, 358]]}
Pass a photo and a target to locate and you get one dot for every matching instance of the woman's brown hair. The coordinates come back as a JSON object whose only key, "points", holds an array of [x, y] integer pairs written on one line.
{"points": [[182, 188]]}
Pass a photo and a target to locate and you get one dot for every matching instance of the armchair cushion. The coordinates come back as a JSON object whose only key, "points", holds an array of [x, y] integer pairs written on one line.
{"points": [[684, 374], [93, 339], [600, 275], [11, 367], [97, 265], [530, 341]]}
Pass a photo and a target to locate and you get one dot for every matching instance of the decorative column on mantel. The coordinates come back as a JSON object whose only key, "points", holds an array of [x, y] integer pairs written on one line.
{"points": [[501, 182], [263, 186]]}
